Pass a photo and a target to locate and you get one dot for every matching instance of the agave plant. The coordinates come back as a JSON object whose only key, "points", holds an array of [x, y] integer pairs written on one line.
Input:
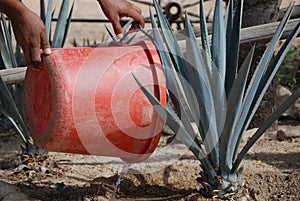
{"points": [[208, 89], [11, 98]]}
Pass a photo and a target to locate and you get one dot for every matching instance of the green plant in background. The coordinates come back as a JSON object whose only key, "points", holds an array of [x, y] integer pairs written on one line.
{"points": [[11, 98], [287, 73], [62, 24], [127, 39], [209, 90]]}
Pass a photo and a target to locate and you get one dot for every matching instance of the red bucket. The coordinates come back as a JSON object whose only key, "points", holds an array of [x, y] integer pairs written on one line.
{"points": [[86, 101]]}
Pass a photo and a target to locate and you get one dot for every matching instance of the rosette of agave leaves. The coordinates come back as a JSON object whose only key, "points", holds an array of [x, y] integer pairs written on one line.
{"points": [[212, 102]]}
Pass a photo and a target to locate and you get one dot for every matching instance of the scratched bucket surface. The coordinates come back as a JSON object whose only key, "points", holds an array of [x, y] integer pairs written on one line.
{"points": [[86, 101]]}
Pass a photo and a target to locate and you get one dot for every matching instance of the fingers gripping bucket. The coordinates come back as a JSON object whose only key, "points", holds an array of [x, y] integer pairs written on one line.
{"points": [[85, 100]]}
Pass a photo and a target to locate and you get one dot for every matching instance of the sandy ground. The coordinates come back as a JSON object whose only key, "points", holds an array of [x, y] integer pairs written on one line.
{"points": [[271, 172]]}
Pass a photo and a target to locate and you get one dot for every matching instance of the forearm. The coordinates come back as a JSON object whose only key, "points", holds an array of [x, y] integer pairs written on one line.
{"points": [[11, 8]]}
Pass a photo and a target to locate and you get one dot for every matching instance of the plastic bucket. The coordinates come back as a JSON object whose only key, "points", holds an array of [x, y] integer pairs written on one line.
{"points": [[86, 101]]}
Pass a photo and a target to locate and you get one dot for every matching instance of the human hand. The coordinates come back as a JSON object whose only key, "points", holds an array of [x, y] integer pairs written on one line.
{"points": [[30, 33], [114, 10]]}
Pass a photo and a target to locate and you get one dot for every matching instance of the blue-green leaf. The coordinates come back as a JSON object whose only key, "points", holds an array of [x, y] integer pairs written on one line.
{"points": [[18, 55], [244, 118], [202, 88], [177, 126], [219, 40], [168, 66], [204, 36], [10, 110], [177, 75], [171, 42], [127, 40], [273, 68], [126, 26], [111, 34], [4, 52], [61, 25], [228, 23], [283, 107], [8, 42], [196, 70], [234, 103], [232, 53], [48, 19], [268, 77], [42, 10], [68, 24]]}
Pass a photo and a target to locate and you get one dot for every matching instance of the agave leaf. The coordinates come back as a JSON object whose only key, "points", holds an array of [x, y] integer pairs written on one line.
{"points": [[2, 66], [283, 107], [158, 41], [176, 85], [219, 40], [10, 31], [128, 40], [4, 52], [228, 23], [111, 34], [50, 29], [61, 25], [42, 10], [9, 108], [68, 24], [232, 54], [234, 103], [181, 92], [48, 19], [14, 123], [18, 54], [126, 26], [202, 86], [210, 93], [174, 81], [244, 117], [166, 63], [177, 126], [196, 70], [171, 42], [268, 77], [274, 66], [204, 36], [16, 90], [8, 42]]}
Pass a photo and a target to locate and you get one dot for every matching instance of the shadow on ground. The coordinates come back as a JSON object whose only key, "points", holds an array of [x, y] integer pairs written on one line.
{"points": [[279, 160]]}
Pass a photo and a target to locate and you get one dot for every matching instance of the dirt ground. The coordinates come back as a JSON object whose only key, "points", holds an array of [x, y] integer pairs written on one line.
{"points": [[272, 172]]}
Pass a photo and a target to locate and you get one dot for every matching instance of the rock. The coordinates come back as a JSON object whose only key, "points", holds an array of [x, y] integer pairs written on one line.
{"points": [[282, 94], [288, 132], [281, 136]]}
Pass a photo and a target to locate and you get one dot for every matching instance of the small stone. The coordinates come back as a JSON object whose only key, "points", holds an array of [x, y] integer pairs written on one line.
{"points": [[281, 136]]}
